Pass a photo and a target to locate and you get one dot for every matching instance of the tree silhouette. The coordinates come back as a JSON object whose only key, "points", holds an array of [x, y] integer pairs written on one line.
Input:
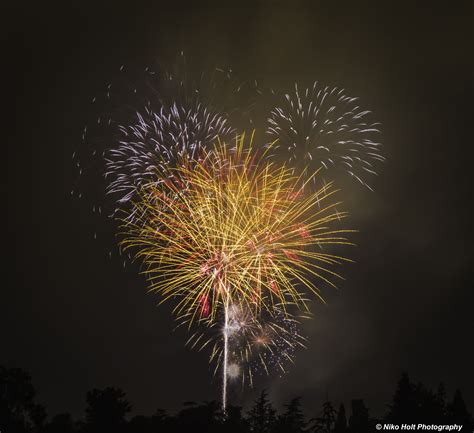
{"points": [[106, 410], [199, 418], [340, 425], [37, 415], [61, 423], [359, 419], [160, 420], [141, 424], [234, 422], [403, 407], [292, 420], [441, 400], [262, 416], [428, 405], [325, 422], [418, 404], [17, 405], [457, 412]]}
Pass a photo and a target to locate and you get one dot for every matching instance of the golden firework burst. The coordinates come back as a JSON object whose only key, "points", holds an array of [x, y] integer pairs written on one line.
{"points": [[234, 229]]}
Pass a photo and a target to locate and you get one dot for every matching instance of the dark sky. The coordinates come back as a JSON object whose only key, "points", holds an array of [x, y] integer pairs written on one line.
{"points": [[76, 319]]}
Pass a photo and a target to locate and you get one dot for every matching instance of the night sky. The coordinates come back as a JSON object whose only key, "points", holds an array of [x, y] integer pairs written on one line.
{"points": [[76, 319]]}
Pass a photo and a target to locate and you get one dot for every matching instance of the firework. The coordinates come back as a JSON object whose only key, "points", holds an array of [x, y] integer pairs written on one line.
{"points": [[186, 116], [256, 344], [156, 142], [149, 119], [238, 234], [236, 230], [322, 127], [229, 234]]}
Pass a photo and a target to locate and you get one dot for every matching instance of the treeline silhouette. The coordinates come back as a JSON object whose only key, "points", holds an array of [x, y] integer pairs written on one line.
{"points": [[107, 411]]}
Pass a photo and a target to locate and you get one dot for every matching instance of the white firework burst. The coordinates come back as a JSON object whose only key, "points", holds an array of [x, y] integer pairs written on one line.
{"points": [[157, 141], [322, 127]]}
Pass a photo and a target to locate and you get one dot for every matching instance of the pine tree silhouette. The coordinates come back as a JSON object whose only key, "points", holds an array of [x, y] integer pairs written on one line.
{"points": [[233, 422], [262, 416], [441, 401], [428, 408], [359, 420], [292, 420], [457, 412], [325, 422], [403, 407], [418, 404], [341, 422]]}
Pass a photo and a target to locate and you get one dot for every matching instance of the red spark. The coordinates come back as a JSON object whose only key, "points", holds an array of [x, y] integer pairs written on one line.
{"points": [[274, 287], [290, 255], [205, 305]]}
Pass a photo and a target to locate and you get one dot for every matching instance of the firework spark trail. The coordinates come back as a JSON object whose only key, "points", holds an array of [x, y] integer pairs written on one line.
{"points": [[323, 127], [239, 231], [226, 353]]}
